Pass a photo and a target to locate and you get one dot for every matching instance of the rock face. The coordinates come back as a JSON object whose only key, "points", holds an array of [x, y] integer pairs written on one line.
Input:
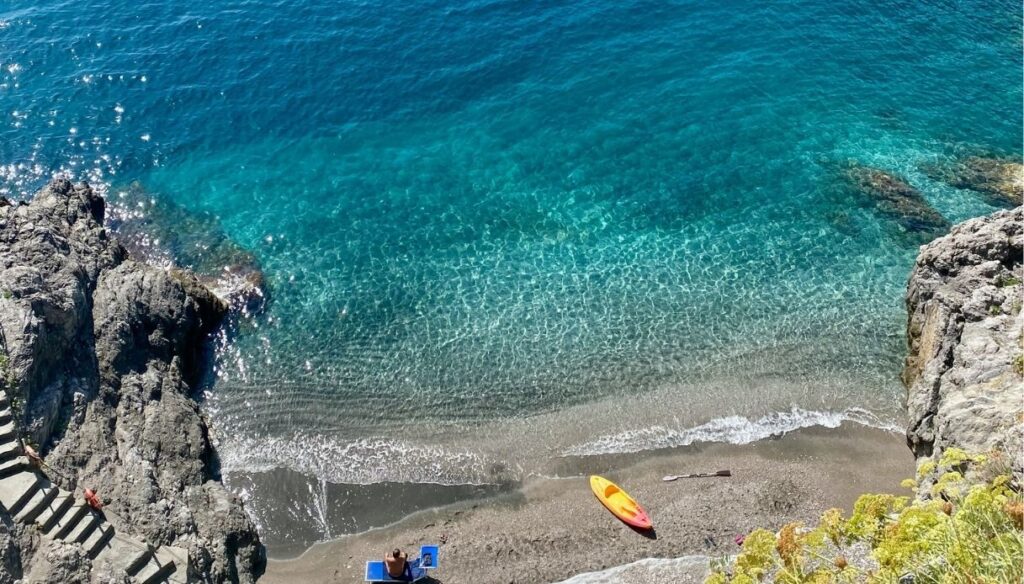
{"points": [[963, 372], [101, 354]]}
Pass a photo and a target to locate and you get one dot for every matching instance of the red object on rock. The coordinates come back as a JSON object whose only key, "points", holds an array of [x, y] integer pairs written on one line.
{"points": [[740, 539], [93, 500]]}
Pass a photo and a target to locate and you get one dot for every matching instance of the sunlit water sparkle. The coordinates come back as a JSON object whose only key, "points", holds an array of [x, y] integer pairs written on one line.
{"points": [[498, 234]]}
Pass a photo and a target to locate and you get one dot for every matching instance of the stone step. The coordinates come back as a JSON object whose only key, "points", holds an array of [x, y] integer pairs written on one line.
{"points": [[37, 504], [55, 510], [7, 432], [159, 568], [180, 558], [93, 544], [70, 519], [125, 554], [4, 400], [9, 450], [5, 415], [84, 528], [17, 489], [13, 465]]}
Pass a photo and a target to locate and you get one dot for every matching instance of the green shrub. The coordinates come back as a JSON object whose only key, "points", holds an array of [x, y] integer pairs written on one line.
{"points": [[1004, 281], [969, 532]]}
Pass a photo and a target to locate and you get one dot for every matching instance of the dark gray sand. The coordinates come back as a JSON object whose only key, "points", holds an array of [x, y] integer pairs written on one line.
{"points": [[552, 529]]}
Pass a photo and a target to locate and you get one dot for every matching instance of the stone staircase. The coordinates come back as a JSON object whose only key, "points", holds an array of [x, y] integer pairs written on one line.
{"points": [[31, 498]]}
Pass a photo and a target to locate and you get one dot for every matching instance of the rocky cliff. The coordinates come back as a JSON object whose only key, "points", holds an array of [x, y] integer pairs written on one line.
{"points": [[100, 355], [965, 365]]}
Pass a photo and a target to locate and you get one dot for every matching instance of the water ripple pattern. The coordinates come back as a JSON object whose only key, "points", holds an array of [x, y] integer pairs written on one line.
{"points": [[500, 233]]}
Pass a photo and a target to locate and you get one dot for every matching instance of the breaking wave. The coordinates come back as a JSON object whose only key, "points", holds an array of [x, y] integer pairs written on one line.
{"points": [[730, 429]]}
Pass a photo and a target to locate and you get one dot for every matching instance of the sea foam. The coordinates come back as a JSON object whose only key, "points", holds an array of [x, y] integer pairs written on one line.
{"points": [[730, 429]]}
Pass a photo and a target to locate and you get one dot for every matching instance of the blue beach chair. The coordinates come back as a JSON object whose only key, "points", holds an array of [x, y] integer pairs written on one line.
{"points": [[377, 572]]}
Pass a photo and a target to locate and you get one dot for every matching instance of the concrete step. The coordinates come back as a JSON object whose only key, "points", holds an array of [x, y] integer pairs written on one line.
{"points": [[125, 554], [93, 544], [17, 489], [159, 568], [9, 450], [5, 415], [13, 465], [4, 400], [55, 510], [180, 558], [37, 504], [7, 432], [84, 528], [70, 520]]}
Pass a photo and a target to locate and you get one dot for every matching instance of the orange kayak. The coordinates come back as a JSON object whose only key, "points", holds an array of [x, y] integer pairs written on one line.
{"points": [[619, 502]]}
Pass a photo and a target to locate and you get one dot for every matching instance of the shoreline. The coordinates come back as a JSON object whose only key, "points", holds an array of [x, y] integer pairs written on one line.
{"points": [[297, 509], [551, 529]]}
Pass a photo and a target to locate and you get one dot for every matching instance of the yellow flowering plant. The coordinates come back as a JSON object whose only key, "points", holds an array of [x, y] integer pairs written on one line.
{"points": [[970, 531]]}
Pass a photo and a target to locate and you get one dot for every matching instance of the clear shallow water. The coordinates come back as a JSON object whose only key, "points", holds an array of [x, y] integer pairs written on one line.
{"points": [[501, 233]]}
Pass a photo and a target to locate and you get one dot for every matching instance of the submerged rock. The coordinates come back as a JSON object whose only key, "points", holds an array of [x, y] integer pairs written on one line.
{"points": [[100, 357], [895, 199], [164, 232], [1000, 181], [963, 372]]}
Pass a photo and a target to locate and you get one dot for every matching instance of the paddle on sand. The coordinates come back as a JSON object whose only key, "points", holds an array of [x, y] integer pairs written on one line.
{"points": [[698, 475]]}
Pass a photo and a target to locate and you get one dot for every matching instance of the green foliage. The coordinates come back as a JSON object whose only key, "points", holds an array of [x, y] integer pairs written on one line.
{"points": [[972, 531], [832, 525], [870, 515], [1018, 364], [1004, 281], [757, 556]]}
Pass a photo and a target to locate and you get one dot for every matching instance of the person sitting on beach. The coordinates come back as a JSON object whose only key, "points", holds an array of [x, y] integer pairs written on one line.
{"points": [[396, 564]]}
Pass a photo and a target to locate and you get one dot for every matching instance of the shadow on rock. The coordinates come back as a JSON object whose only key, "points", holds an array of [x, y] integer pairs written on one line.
{"points": [[162, 232], [1000, 181]]}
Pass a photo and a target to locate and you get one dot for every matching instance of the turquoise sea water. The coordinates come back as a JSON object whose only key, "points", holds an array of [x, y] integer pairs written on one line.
{"points": [[500, 233]]}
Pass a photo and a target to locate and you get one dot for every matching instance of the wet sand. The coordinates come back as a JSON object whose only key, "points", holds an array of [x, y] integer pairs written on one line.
{"points": [[553, 528]]}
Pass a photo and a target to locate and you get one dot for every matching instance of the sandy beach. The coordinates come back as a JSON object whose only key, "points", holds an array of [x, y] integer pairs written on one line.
{"points": [[552, 529]]}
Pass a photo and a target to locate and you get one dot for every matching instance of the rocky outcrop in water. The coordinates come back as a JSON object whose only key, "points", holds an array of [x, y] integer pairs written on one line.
{"points": [[101, 354], [965, 365], [999, 181], [158, 230], [894, 198]]}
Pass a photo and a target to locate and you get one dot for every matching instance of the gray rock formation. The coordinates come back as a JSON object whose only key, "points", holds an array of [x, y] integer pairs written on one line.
{"points": [[963, 372], [101, 355]]}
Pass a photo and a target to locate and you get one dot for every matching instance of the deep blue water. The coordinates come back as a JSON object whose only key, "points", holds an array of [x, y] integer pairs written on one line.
{"points": [[500, 232]]}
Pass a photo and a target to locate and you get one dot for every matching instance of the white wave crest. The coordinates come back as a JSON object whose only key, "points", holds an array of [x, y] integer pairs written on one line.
{"points": [[361, 461], [730, 429]]}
